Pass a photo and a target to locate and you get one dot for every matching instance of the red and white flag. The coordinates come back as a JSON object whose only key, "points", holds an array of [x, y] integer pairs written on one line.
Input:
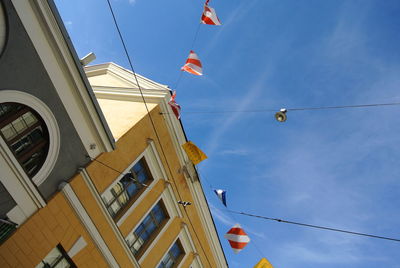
{"points": [[209, 16], [176, 108], [193, 64], [237, 238]]}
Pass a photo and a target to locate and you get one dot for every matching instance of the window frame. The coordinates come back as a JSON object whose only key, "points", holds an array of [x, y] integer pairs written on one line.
{"points": [[39, 146], [179, 259], [117, 216], [160, 226], [50, 121], [64, 256]]}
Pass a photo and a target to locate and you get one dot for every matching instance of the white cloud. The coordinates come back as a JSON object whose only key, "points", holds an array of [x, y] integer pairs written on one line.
{"points": [[132, 2], [221, 216], [238, 152]]}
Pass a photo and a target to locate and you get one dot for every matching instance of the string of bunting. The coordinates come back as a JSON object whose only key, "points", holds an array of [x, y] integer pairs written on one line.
{"points": [[236, 236], [193, 64]]}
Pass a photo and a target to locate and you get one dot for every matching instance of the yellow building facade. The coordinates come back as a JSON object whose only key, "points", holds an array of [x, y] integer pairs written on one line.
{"points": [[102, 217], [92, 202]]}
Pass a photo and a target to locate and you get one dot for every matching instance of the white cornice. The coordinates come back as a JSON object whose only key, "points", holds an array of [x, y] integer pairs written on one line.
{"points": [[123, 74]]}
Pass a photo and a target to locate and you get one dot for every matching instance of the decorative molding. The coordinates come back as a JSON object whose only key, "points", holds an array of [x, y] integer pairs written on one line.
{"points": [[51, 124], [88, 223], [3, 29], [16, 215], [107, 215], [17, 182], [79, 244]]}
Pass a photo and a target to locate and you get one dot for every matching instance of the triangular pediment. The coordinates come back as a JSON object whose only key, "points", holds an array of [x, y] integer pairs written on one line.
{"points": [[120, 98]]}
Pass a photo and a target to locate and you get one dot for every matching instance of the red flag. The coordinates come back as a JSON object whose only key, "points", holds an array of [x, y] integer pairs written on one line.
{"points": [[209, 16], [193, 64], [176, 108]]}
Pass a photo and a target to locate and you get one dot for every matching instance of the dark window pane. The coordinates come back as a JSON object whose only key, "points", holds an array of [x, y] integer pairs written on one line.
{"points": [[175, 250], [172, 257], [26, 135], [139, 229], [151, 227], [142, 177], [138, 167], [129, 186], [146, 220], [145, 236], [132, 189], [148, 227]]}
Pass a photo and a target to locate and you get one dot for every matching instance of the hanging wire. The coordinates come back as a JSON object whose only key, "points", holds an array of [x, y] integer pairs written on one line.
{"points": [[343, 106], [119, 172], [315, 226], [255, 245], [294, 109], [272, 219], [152, 123], [262, 110]]}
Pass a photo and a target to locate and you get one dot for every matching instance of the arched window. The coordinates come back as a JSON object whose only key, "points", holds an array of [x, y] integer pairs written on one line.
{"points": [[26, 134]]}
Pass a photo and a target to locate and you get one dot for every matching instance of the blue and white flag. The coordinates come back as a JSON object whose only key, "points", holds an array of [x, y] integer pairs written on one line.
{"points": [[221, 195]]}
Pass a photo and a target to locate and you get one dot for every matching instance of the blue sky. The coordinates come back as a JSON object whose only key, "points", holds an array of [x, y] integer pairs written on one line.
{"points": [[337, 168]]}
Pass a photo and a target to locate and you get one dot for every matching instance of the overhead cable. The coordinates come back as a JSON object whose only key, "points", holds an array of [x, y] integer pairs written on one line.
{"points": [[153, 124], [315, 226]]}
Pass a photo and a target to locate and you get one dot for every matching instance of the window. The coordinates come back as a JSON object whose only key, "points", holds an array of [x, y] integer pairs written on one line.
{"points": [[147, 229], [57, 258], [26, 134], [173, 256], [119, 198]]}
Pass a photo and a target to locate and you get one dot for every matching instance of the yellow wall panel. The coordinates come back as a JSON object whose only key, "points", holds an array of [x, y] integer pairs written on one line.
{"points": [[33, 240], [86, 198]]}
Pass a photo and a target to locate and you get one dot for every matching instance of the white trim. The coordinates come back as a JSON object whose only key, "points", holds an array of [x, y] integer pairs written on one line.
{"points": [[16, 215], [79, 244], [124, 75], [197, 262], [88, 223], [100, 203], [17, 183], [52, 48], [51, 124], [3, 29]]}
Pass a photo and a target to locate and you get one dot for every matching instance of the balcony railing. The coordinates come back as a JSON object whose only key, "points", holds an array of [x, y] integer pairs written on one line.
{"points": [[6, 229]]}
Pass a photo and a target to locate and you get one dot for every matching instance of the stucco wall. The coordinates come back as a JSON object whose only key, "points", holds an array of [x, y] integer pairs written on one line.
{"points": [[21, 69], [128, 148], [56, 223]]}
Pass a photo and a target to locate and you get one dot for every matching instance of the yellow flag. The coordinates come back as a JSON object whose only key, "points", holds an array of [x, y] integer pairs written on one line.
{"points": [[193, 152], [263, 263]]}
